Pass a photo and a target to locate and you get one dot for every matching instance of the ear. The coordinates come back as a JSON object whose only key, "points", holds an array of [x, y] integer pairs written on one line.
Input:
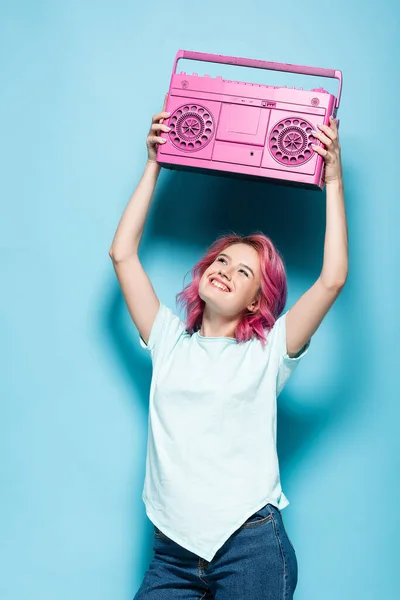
{"points": [[254, 306]]}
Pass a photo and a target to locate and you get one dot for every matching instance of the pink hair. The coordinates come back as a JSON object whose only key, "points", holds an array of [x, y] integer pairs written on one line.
{"points": [[272, 292]]}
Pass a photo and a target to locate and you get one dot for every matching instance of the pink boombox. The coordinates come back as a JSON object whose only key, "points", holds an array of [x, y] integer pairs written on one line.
{"points": [[248, 130]]}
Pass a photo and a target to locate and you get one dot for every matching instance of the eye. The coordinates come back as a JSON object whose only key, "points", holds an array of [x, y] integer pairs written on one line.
{"points": [[222, 259]]}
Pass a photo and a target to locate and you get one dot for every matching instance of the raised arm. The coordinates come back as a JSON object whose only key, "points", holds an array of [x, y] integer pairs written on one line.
{"points": [[140, 297], [306, 315]]}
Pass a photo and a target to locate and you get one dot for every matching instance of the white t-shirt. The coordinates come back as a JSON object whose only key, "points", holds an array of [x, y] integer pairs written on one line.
{"points": [[211, 451]]}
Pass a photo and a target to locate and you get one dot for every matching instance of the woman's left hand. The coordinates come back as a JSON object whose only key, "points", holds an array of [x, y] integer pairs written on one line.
{"points": [[330, 138]]}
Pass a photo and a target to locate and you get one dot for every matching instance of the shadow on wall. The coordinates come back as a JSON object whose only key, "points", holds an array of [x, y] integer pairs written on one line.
{"points": [[192, 209]]}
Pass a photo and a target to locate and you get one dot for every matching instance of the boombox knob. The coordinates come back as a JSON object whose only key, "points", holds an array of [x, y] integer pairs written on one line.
{"points": [[321, 90]]}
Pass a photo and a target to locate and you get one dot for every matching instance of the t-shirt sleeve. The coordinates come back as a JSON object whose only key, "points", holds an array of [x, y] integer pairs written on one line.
{"points": [[165, 332], [285, 364]]}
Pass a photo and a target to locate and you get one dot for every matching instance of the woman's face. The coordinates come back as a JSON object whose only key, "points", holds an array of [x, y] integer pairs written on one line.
{"points": [[237, 268]]}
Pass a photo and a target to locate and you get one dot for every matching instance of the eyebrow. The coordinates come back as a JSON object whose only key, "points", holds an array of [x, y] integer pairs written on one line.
{"points": [[243, 265]]}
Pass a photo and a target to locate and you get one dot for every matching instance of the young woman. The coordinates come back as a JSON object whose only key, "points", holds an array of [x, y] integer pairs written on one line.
{"points": [[212, 488]]}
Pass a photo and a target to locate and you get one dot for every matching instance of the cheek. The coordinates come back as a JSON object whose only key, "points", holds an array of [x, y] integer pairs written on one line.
{"points": [[247, 290], [204, 280], [243, 284], [204, 283]]}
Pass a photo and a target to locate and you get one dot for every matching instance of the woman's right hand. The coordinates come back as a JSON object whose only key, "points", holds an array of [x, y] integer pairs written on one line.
{"points": [[153, 139]]}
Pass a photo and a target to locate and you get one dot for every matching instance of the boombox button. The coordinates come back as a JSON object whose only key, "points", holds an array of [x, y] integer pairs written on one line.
{"points": [[182, 73]]}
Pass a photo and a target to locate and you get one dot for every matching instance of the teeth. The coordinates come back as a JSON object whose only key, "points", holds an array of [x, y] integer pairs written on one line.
{"points": [[219, 285]]}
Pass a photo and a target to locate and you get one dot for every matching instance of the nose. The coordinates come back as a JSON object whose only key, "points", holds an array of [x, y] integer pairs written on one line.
{"points": [[225, 273]]}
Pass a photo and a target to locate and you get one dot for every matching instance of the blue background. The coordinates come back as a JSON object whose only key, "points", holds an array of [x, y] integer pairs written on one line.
{"points": [[80, 82]]}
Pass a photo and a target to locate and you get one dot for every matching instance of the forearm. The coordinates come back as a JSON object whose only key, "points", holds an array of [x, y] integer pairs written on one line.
{"points": [[130, 228], [335, 262]]}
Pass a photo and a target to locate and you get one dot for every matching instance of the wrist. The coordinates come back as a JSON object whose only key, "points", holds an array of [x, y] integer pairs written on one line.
{"points": [[153, 165], [337, 182]]}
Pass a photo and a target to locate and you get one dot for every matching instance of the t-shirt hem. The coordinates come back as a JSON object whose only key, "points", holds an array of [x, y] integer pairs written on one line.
{"points": [[299, 355], [172, 535], [198, 551]]}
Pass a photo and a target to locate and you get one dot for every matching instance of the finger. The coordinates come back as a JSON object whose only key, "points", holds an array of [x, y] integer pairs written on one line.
{"points": [[322, 137], [328, 131], [159, 126], [333, 123], [160, 115], [164, 105], [319, 150], [165, 101], [156, 139], [335, 127]]}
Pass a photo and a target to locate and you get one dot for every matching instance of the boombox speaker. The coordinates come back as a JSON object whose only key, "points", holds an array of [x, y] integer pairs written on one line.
{"points": [[247, 130]]}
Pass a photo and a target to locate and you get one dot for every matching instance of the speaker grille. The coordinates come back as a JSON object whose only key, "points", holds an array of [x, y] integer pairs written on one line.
{"points": [[290, 141], [192, 127]]}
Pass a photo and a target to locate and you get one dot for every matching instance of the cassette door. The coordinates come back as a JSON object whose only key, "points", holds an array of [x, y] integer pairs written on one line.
{"points": [[241, 133]]}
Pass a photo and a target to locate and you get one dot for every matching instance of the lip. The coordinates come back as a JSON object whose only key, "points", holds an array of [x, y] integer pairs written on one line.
{"points": [[219, 281]]}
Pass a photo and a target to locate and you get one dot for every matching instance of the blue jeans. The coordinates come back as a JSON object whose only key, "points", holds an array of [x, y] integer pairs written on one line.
{"points": [[257, 562]]}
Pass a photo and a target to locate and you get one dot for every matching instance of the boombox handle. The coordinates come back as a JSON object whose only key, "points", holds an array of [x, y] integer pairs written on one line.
{"points": [[261, 64]]}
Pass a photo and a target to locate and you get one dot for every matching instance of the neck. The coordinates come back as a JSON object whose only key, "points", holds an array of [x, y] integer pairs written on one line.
{"points": [[214, 325]]}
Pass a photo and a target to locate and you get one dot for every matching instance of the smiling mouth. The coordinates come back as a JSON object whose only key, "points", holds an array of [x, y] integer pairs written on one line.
{"points": [[219, 286]]}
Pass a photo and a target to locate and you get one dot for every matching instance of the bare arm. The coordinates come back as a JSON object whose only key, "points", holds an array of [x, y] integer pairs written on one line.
{"points": [[130, 228], [140, 297], [304, 318]]}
